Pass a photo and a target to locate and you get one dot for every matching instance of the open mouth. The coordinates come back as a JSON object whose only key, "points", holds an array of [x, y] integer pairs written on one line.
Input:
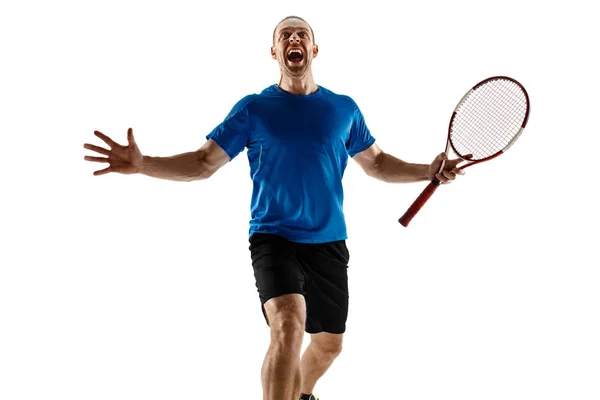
{"points": [[295, 55]]}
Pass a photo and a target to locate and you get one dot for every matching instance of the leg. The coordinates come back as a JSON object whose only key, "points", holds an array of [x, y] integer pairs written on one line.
{"points": [[327, 298], [281, 377], [318, 357], [280, 283]]}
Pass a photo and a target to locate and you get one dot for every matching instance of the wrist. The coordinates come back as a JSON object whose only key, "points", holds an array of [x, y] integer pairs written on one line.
{"points": [[145, 166], [424, 172]]}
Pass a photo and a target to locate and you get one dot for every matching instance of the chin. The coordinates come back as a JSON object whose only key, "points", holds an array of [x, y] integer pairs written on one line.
{"points": [[296, 72], [296, 67]]}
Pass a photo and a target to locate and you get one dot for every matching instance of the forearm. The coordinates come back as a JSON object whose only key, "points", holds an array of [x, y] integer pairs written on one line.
{"points": [[390, 169], [182, 167]]}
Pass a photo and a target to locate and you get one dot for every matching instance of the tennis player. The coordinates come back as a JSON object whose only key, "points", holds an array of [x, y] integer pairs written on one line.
{"points": [[298, 136]]}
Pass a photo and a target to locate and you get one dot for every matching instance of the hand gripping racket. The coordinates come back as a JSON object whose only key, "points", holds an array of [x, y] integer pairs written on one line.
{"points": [[484, 124]]}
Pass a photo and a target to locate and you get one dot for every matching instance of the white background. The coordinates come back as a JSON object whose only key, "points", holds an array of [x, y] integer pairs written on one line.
{"points": [[126, 287]]}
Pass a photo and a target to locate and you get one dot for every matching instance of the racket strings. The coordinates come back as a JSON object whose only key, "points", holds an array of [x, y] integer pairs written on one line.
{"points": [[488, 119]]}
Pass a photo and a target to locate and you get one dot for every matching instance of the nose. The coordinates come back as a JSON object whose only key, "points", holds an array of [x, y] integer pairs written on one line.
{"points": [[294, 38]]}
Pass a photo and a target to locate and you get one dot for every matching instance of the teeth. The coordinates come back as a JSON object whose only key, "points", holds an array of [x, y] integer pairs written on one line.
{"points": [[295, 51]]}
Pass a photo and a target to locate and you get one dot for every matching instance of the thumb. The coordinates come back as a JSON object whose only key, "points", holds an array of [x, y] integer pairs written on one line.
{"points": [[130, 138], [441, 158]]}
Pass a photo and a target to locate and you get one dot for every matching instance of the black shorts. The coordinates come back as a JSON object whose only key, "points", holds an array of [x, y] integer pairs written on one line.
{"points": [[317, 271]]}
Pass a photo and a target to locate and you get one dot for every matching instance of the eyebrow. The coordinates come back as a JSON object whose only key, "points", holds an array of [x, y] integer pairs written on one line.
{"points": [[288, 28]]}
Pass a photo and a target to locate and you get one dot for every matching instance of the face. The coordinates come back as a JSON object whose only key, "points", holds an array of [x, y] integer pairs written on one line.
{"points": [[293, 47]]}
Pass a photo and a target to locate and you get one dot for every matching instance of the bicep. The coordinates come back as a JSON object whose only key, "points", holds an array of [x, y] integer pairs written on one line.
{"points": [[369, 159]]}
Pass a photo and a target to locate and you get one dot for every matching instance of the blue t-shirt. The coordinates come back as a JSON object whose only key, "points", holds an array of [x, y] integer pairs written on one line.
{"points": [[298, 148]]}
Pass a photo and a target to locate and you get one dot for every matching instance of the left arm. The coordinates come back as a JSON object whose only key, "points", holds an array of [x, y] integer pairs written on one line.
{"points": [[387, 168]]}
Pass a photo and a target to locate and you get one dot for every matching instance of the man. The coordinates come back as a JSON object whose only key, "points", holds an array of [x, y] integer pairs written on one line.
{"points": [[299, 136]]}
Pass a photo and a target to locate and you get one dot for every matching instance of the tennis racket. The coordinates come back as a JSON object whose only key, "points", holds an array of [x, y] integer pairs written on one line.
{"points": [[486, 122]]}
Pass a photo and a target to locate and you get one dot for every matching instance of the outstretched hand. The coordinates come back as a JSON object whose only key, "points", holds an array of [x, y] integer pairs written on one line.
{"points": [[122, 159], [445, 170]]}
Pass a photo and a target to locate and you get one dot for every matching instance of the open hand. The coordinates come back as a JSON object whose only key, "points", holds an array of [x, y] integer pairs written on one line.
{"points": [[122, 159], [445, 170]]}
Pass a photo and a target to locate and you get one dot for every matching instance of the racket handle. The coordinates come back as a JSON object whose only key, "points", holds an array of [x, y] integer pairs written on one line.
{"points": [[419, 202]]}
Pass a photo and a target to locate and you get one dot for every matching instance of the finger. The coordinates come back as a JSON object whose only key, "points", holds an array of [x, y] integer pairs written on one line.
{"points": [[440, 158], [130, 138], [458, 171], [97, 149], [446, 176], [449, 175], [105, 139], [442, 178], [95, 159], [103, 171], [453, 163]]}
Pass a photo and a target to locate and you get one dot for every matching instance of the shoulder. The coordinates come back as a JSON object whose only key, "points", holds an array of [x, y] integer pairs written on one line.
{"points": [[339, 97], [254, 98], [244, 102], [269, 91]]}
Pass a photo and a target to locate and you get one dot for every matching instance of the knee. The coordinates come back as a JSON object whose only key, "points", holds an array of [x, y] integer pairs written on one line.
{"points": [[287, 331], [287, 316], [330, 348]]}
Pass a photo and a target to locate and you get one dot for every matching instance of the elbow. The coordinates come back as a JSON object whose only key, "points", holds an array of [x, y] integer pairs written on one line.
{"points": [[200, 173], [374, 173], [375, 170], [206, 173], [197, 177], [202, 169]]}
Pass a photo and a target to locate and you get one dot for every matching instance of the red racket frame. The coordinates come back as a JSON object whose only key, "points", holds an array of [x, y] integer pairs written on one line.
{"points": [[433, 185]]}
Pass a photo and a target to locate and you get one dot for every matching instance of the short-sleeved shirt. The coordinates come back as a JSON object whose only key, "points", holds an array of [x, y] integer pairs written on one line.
{"points": [[298, 148]]}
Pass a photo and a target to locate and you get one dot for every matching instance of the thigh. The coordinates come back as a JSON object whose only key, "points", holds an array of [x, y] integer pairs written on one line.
{"points": [[327, 342], [288, 309], [327, 294], [276, 269]]}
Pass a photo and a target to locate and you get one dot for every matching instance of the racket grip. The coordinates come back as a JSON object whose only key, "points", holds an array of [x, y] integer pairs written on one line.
{"points": [[419, 202]]}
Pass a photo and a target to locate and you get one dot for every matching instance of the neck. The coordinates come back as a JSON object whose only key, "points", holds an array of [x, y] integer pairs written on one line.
{"points": [[298, 85]]}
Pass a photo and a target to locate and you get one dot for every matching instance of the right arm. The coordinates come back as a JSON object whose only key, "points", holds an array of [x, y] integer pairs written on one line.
{"points": [[192, 166], [196, 165]]}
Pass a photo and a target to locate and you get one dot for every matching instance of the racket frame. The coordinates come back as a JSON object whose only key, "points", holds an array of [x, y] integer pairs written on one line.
{"points": [[449, 143], [433, 185]]}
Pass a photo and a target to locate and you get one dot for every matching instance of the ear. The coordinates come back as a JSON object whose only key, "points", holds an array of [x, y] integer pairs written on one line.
{"points": [[315, 50], [273, 54]]}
